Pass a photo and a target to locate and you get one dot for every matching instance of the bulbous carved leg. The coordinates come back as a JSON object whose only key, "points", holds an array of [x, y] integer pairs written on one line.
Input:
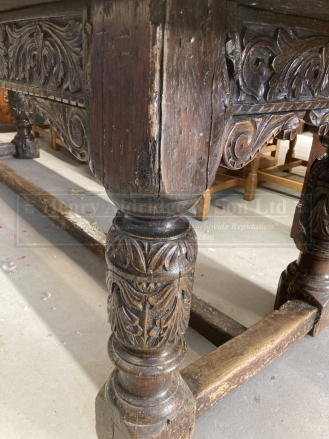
{"points": [[308, 277], [26, 145], [150, 278]]}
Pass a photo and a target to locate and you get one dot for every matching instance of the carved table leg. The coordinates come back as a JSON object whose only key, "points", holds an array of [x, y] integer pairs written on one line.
{"points": [[156, 150], [26, 145], [150, 278], [308, 277]]}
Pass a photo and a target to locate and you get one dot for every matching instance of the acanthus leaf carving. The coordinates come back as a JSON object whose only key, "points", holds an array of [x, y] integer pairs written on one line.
{"points": [[149, 257], [300, 66], [148, 321], [149, 299], [44, 54], [256, 70], [284, 66]]}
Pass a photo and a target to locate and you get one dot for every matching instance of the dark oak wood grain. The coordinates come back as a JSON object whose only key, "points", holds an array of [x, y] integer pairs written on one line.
{"points": [[163, 89], [193, 57], [318, 9], [125, 142], [7, 5]]}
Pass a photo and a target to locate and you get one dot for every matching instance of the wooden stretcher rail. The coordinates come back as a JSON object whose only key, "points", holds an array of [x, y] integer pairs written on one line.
{"points": [[295, 185], [215, 326], [6, 149], [214, 376]]}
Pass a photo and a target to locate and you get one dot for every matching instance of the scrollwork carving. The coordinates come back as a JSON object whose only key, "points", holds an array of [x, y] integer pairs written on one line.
{"points": [[248, 135], [256, 70], [150, 284], [285, 66], [69, 122]]}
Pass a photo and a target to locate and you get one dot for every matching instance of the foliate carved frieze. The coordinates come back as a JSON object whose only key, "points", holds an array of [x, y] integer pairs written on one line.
{"points": [[69, 122], [150, 284], [278, 64], [45, 54], [249, 134]]}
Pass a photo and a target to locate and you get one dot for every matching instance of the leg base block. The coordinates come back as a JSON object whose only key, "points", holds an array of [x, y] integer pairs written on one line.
{"points": [[118, 419], [313, 289], [27, 149]]}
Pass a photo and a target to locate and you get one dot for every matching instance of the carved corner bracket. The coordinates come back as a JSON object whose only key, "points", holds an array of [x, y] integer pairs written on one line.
{"points": [[249, 134], [69, 122]]}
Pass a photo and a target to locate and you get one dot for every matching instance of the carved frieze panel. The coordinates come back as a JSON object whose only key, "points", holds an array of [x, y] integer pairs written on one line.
{"points": [[279, 64], [43, 54], [249, 134], [69, 122]]}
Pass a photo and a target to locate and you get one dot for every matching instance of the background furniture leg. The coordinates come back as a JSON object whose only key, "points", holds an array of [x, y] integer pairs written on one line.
{"points": [[53, 140], [203, 206], [291, 152], [251, 182], [317, 149], [24, 141], [307, 278]]}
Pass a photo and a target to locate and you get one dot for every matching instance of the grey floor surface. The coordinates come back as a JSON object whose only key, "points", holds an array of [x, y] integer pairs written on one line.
{"points": [[53, 322]]}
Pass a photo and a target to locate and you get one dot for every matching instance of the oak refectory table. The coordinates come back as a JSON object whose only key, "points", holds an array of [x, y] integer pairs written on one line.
{"points": [[154, 94]]}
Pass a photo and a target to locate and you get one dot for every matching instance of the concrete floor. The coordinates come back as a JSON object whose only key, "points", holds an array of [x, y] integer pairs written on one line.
{"points": [[53, 321]]}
